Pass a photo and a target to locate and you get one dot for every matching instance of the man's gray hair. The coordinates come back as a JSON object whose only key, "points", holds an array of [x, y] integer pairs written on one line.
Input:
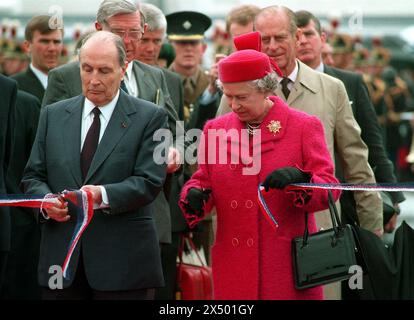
{"points": [[275, 9], [110, 8], [154, 17], [110, 37], [267, 84]]}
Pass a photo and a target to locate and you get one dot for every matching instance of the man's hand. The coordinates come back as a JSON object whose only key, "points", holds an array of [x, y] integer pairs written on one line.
{"points": [[96, 193], [174, 160], [391, 224], [213, 74], [59, 212]]}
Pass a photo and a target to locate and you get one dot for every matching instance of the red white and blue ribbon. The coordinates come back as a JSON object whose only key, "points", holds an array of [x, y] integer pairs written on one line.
{"points": [[28, 201], [82, 201], [265, 209], [388, 187]]}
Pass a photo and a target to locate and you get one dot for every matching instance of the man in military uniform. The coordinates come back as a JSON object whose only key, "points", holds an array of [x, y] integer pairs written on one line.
{"points": [[185, 31], [343, 48]]}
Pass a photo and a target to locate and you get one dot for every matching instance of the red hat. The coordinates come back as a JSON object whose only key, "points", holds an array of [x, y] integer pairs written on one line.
{"points": [[253, 41], [244, 65]]}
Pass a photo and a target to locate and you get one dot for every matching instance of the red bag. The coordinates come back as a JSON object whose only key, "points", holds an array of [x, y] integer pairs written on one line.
{"points": [[193, 282]]}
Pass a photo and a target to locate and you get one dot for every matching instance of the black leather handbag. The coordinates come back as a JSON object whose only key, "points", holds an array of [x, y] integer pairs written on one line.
{"points": [[326, 256]]}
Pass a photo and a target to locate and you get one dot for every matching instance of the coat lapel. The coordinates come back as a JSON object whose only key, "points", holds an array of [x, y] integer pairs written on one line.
{"points": [[117, 127], [146, 90], [72, 138], [306, 80]]}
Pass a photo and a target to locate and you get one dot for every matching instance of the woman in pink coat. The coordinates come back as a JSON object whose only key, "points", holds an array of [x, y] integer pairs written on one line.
{"points": [[262, 141]]}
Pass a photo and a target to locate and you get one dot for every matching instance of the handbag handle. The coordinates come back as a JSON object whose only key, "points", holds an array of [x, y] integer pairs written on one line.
{"points": [[192, 246], [336, 223]]}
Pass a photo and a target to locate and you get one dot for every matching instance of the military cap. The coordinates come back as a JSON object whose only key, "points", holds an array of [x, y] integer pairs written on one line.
{"points": [[361, 56], [380, 56], [342, 43], [187, 25]]}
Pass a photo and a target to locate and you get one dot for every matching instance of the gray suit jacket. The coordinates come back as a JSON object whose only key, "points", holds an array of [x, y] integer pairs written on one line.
{"points": [[120, 246], [325, 97], [64, 83]]}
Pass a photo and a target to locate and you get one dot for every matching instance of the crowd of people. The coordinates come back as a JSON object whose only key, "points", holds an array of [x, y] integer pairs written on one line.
{"points": [[322, 107]]}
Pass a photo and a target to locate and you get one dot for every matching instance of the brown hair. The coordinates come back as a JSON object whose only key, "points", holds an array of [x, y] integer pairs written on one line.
{"points": [[242, 15], [39, 23], [303, 18]]}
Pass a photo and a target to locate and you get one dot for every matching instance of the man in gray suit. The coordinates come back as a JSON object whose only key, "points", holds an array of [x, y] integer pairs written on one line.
{"points": [[107, 148], [123, 18]]}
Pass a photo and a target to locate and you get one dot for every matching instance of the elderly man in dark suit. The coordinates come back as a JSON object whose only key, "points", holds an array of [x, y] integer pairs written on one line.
{"points": [[124, 18], [310, 53], [106, 147], [7, 103], [45, 46]]}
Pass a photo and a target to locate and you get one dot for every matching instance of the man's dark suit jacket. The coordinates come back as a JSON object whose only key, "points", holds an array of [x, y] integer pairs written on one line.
{"points": [[120, 246], [64, 82], [366, 117], [21, 272], [27, 81], [8, 89]]}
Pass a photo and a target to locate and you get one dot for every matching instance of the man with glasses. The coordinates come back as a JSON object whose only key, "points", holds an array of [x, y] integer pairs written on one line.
{"points": [[142, 81]]}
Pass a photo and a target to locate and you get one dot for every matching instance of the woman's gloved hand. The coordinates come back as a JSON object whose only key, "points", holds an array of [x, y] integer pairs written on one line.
{"points": [[196, 198], [280, 178]]}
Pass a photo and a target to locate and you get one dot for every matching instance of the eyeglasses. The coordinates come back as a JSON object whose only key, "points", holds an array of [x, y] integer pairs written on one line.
{"points": [[132, 34]]}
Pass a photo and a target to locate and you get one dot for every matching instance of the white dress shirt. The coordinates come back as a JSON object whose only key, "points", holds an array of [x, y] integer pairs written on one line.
{"points": [[40, 75], [320, 68], [131, 81], [292, 77], [87, 119]]}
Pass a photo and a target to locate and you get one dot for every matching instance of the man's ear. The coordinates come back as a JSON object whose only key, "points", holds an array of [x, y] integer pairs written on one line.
{"points": [[27, 46], [98, 26], [298, 36], [204, 47], [323, 37]]}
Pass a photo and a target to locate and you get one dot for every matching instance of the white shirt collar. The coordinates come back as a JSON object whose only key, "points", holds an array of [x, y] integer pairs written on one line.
{"points": [[40, 75], [320, 68], [106, 110], [293, 75]]}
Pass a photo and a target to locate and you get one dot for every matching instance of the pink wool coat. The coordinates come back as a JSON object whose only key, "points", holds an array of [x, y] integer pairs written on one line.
{"points": [[250, 260]]}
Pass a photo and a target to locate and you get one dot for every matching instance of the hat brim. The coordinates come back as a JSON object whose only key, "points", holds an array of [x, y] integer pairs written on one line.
{"points": [[176, 37]]}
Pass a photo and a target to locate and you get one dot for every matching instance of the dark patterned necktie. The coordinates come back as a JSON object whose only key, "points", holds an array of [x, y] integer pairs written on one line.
{"points": [[124, 87], [91, 142], [285, 88]]}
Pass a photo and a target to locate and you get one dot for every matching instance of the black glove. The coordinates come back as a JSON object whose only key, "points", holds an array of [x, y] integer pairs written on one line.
{"points": [[280, 178], [196, 199]]}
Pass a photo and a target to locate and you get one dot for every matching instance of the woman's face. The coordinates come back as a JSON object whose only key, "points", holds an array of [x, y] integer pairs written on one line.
{"points": [[249, 104]]}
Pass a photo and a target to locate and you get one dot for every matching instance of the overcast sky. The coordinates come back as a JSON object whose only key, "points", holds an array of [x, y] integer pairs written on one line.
{"points": [[219, 7]]}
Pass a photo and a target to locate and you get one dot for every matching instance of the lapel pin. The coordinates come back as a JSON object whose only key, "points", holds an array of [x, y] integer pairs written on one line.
{"points": [[124, 125], [274, 126]]}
